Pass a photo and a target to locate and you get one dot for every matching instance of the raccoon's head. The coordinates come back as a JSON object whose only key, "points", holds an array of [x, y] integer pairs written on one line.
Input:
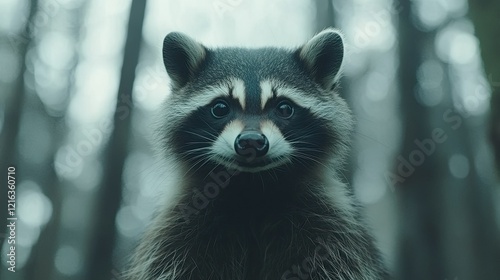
{"points": [[255, 109]]}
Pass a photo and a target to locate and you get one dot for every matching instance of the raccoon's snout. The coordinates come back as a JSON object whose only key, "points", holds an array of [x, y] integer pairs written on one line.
{"points": [[251, 144]]}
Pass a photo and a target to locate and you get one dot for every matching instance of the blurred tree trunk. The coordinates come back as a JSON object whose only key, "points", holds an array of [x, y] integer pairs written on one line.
{"points": [[14, 100], [324, 15], [41, 263], [99, 263], [447, 226], [419, 252], [486, 17]]}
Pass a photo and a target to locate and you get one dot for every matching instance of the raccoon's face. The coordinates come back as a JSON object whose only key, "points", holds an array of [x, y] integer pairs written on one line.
{"points": [[255, 110]]}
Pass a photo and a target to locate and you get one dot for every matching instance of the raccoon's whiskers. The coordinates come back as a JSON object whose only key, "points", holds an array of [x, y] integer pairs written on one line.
{"points": [[204, 158], [212, 170], [209, 157], [301, 156], [213, 136]]}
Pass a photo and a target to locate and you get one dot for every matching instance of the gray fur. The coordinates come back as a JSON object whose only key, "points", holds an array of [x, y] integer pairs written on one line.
{"points": [[182, 57], [306, 225], [323, 55]]}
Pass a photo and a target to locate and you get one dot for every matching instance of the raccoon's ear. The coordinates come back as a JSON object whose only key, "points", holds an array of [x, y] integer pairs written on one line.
{"points": [[322, 56], [182, 56]]}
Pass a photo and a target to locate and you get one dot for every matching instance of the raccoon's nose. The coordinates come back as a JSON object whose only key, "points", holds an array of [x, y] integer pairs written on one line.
{"points": [[251, 144]]}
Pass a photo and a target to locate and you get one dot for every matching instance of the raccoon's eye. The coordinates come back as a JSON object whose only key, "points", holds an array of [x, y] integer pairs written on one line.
{"points": [[220, 109], [284, 110]]}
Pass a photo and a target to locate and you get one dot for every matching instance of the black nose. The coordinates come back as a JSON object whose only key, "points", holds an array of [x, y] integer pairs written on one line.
{"points": [[251, 144]]}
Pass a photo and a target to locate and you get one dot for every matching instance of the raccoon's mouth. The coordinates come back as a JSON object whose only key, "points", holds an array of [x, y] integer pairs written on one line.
{"points": [[255, 165]]}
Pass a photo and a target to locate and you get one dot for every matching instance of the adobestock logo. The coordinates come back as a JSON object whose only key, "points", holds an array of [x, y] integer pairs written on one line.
{"points": [[201, 197], [406, 165], [378, 21], [46, 11], [424, 148], [454, 118], [70, 158], [309, 264], [223, 6]]}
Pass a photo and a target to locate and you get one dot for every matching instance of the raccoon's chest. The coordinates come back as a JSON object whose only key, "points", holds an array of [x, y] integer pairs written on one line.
{"points": [[252, 199]]}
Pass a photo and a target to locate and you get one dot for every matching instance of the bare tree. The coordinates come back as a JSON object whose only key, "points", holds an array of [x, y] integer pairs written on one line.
{"points": [[484, 14], [41, 262], [447, 229], [14, 100], [419, 255], [324, 15], [99, 262]]}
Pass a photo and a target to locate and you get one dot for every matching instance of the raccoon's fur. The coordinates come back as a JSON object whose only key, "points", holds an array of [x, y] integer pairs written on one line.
{"points": [[258, 137]]}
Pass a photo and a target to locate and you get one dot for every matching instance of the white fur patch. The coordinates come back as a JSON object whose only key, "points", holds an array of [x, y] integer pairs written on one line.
{"points": [[205, 97], [209, 93], [299, 97], [266, 89], [224, 144], [238, 87], [223, 148], [279, 147]]}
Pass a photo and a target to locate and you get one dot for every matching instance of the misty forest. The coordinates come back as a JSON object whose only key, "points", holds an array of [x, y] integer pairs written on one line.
{"points": [[81, 81]]}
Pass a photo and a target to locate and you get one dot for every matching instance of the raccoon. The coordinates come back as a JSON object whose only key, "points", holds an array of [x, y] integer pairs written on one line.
{"points": [[259, 138]]}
